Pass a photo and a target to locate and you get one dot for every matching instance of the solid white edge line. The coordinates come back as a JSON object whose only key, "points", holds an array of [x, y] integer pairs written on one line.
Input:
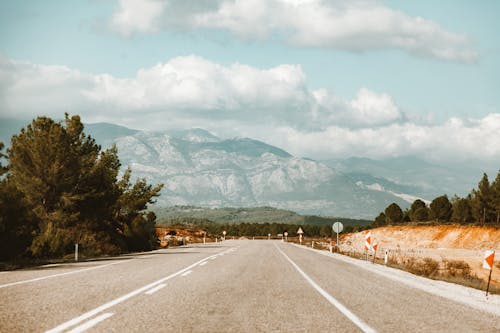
{"points": [[91, 323], [61, 274], [155, 289], [204, 263], [355, 319], [186, 273], [118, 300]]}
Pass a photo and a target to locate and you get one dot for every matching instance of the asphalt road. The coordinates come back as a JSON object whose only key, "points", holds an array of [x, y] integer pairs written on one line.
{"points": [[234, 286]]}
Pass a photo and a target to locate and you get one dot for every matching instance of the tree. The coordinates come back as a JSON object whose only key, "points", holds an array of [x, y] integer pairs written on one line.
{"points": [[71, 187], [419, 211], [461, 210], [440, 208], [482, 201], [393, 214], [325, 231], [380, 220], [495, 193]]}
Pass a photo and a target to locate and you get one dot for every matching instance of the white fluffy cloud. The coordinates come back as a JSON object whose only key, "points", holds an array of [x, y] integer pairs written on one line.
{"points": [[275, 105], [347, 25]]}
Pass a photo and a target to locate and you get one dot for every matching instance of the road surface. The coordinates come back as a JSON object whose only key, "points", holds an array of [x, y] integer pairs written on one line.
{"points": [[233, 286]]}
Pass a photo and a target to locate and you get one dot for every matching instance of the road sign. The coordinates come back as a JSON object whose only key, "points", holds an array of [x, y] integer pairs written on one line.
{"points": [[224, 232], [286, 234], [300, 231], [489, 256], [337, 227], [368, 240]]}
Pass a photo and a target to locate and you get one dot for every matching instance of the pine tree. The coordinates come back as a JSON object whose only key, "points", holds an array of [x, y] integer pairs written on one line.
{"points": [[461, 210], [419, 211], [495, 194], [393, 214], [440, 209], [482, 202]]}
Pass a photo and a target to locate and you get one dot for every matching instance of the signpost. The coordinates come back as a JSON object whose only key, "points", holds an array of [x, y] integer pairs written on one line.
{"points": [[224, 233], [300, 232], [337, 227], [489, 257], [286, 236], [268, 236]]}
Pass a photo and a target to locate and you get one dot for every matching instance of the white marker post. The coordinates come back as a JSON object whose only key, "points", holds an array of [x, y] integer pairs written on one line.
{"points": [[76, 251], [386, 256]]}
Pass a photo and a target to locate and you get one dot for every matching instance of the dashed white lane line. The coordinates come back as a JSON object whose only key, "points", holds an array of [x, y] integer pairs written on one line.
{"points": [[61, 274], [355, 319], [187, 273], [91, 323], [75, 321], [204, 263], [155, 289]]}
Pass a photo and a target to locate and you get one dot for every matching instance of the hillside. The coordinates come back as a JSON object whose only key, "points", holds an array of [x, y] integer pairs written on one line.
{"points": [[440, 243], [249, 215]]}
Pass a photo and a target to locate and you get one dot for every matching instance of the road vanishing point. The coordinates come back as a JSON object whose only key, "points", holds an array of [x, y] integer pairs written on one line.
{"points": [[233, 286]]}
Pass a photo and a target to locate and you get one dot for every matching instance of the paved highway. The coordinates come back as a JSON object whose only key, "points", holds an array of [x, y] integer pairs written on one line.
{"points": [[234, 286]]}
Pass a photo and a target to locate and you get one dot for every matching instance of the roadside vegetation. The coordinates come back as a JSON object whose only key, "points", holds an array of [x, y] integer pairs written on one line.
{"points": [[58, 188], [480, 207]]}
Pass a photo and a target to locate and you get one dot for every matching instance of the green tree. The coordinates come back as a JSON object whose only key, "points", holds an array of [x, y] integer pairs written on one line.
{"points": [[137, 225], [495, 193], [461, 210], [71, 187], [419, 211], [393, 214], [380, 220], [440, 208], [482, 201]]}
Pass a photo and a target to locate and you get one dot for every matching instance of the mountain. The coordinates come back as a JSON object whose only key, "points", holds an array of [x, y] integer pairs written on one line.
{"points": [[413, 176], [199, 168]]}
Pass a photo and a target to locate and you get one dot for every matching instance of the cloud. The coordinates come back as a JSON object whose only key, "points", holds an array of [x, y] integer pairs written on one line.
{"points": [[356, 26], [275, 105]]}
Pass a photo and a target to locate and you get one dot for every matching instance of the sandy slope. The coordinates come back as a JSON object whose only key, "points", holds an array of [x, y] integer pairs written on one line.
{"points": [[437, 242]]}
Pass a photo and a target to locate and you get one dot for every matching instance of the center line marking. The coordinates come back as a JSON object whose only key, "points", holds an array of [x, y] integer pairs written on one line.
{"points": [[91, 323], [72, 322], [187, 273], [155, 289], [355, 319]]}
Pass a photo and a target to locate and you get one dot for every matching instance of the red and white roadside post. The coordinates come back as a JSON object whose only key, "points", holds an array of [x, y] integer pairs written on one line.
{"points": [[489, 257], [368, 242]]}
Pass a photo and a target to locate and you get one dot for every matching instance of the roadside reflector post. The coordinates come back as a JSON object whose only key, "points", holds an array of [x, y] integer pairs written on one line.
{"points": [[386, 256], [312, 244], [76, 251], [489, 257]]}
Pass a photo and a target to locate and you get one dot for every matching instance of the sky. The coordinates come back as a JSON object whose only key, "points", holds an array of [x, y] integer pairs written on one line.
{"points": [[320, 79]]}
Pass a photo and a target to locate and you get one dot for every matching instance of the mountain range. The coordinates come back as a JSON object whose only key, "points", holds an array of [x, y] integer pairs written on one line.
{"points": [[199, 168]]}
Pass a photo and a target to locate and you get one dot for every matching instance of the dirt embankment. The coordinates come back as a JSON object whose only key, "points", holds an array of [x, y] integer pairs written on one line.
{"points": [[437, 242]]}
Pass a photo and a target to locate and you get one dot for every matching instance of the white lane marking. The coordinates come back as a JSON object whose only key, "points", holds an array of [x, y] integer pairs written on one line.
{"points": [[91, 323], [118, 300], [213, 258], [355, 319], [61, 274], [155, 289], [186, 273], [204, 263]]}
